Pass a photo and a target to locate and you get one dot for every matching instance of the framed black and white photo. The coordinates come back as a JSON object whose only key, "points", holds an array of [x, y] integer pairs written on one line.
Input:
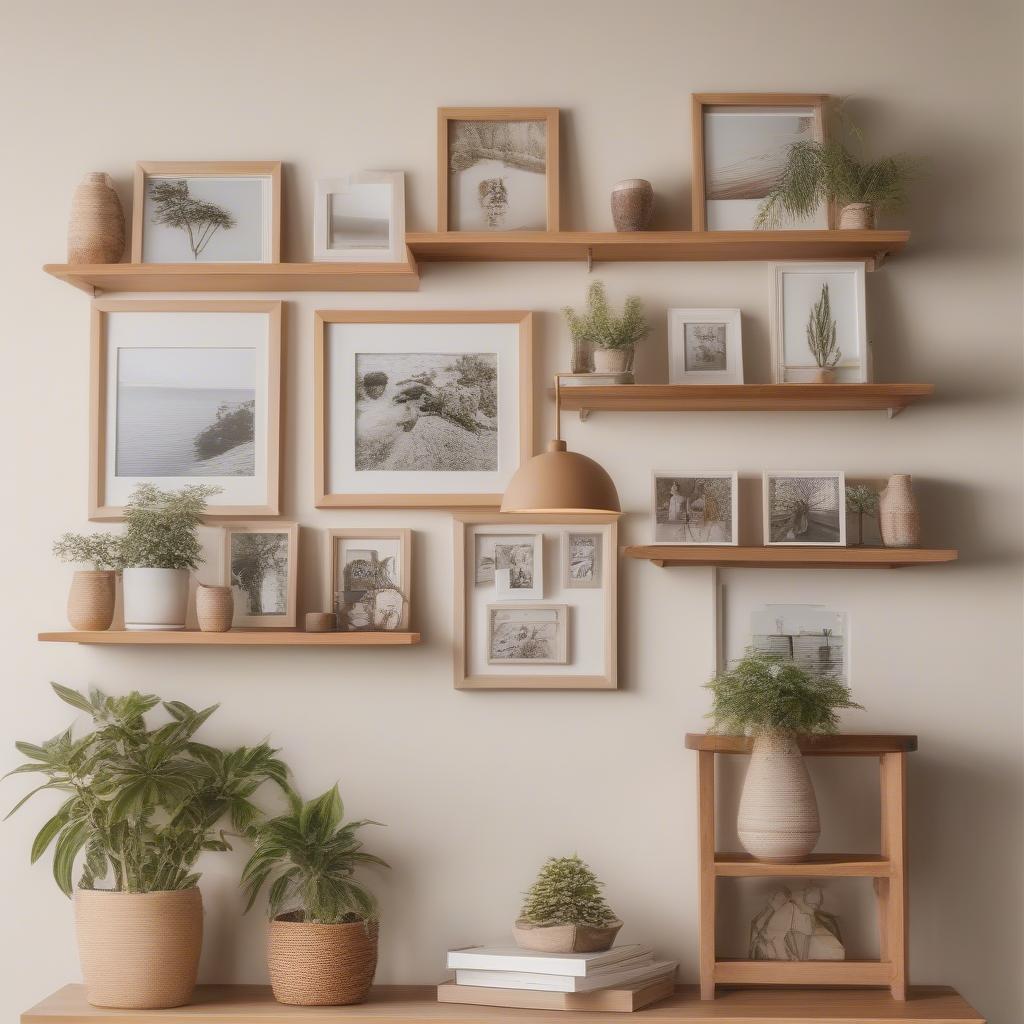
{"points": [[360, 219], [517, 565], [261, 567], [804, 507], [698, 507], [582, 552], [186, 392], [804, 294], [368, 578], [527, 634], [429, 409], [812, 635], [705, 346]]}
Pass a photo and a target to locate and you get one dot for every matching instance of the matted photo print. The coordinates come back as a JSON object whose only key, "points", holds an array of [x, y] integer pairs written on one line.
{"points": [[805, 507]]}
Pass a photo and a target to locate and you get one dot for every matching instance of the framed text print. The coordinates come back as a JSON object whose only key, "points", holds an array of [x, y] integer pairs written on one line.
{"points": [[429, 409], [186, 392]]}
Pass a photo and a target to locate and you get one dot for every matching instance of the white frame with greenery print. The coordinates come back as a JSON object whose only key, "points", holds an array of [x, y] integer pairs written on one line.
{"points": [[838, 476], [393, 252], [286, 620], [679, 320]]}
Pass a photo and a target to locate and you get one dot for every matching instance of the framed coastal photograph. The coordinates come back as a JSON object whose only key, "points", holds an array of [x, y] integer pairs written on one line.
{"points": [[497, 169], [261, 568], [740, 146], [804, 507], [705, 346], [368, 578], [696, 508], [201, 212], [806, 297], [360, 219], [515, 565], [431, 409], [186, 392], [812, 635], [565, 639]]}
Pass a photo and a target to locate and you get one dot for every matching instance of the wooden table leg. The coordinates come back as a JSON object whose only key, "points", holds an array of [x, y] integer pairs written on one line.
{"points": [[706, 861], [894, 832]]}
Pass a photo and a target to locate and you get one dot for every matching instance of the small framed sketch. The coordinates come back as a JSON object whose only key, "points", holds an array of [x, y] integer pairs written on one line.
{"points": [[198, 212], [368, 578], [261, 567], [186, 392], [696, 508], [430, 409], [360, 219], [704, 346], [566, 637], [812, 635], [497, 169], [806, 294], [804, 507], [740, 145]]}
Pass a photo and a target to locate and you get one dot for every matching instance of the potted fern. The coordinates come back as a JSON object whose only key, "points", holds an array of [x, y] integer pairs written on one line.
{"points": [[141, 805], [776, 701], [93, 590], [564, 911], [322, 946], [821, 338], [599, 333]]}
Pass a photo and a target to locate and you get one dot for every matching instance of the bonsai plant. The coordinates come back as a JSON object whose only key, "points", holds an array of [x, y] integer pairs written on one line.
{"points": [[862, 501], [322, 949], [93, 590], [141, 805], [610, 339], [564, 911], [821, 338], [776, 701]]}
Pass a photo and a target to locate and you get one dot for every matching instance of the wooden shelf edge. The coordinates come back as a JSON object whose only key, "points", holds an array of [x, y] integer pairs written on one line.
{"points": [[785, 557], [845, 744], [820, 865], [232, 638]]}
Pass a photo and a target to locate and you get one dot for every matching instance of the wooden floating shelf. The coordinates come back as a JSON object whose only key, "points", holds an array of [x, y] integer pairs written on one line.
{"points": [[818, 865], [725, 556], [847, 744], [407, 1004], [232, 638]]}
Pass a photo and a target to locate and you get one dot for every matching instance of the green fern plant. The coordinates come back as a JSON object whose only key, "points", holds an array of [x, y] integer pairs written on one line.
{"points": [[162, 527], [601, 327], [821, 332], [100, 550], [566, 892]]}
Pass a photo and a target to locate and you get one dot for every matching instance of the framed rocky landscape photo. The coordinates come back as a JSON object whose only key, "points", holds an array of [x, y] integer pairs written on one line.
{"points": [[186, 392], [431, 409], [261, 568]]}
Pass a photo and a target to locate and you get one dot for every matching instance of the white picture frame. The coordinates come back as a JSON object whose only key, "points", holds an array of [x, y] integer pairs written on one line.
{"points": [[705, 346], [518, 572], [795, 288], [582, 554], [678, 517], [235, 578], [505, 621], [821, 523], [360, 218]]}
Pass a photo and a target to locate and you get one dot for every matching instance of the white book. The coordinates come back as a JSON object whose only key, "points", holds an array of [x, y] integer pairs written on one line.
{"points": [[565, 983], [512, 958]]}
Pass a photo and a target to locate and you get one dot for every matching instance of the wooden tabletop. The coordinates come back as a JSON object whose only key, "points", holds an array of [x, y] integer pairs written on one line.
{"points": [[849, 744]]}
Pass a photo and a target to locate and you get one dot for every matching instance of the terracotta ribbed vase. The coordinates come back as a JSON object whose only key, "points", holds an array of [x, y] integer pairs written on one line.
{"points": [[898, 517], [139, 951], [215, 608], [96, 231], [321, 964], [91, 599]]}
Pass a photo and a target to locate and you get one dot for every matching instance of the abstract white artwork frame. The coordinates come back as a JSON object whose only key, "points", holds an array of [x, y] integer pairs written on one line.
{"points": [[364, 192]]}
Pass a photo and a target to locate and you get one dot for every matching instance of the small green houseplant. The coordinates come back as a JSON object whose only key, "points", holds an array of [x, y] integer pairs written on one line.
{"points": [[776, 700], [93, 590], [320, 915], [565, 912], [599, 333]]}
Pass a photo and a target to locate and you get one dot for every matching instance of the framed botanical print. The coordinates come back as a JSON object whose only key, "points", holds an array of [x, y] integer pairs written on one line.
{"points": [[698, 507], [804, 507], [186, 392], [202, 212], [431, 409], [740, 146], [261, 567], [497, 169], [360, 219], [705, 346], [368, 578]]}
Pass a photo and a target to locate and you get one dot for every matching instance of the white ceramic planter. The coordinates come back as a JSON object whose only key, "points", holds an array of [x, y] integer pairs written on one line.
{"points": [[155, 598]]}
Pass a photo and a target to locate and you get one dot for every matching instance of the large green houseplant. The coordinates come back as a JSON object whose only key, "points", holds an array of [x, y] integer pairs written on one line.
{"points": [[141, 804]]}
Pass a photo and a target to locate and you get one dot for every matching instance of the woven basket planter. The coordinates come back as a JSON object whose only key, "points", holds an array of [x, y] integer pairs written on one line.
{"points": [[565, 938], [91, 599], [139, 951], [215, 608], [96, 232], [321, 964], [857, 217]]}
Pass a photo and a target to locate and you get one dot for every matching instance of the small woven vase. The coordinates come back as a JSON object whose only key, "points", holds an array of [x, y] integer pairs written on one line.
{"points": [[778, 819], [215, 608], [857, 217], [632, 204], [321, 964], [610, 360], [96, 231], [91, 599], [898, 517]]}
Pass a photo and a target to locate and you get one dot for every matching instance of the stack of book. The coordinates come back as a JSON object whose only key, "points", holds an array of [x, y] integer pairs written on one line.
{"points": [[623, 978]]}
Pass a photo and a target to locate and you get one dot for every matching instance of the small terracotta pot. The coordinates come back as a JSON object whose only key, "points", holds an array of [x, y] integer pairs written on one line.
{"points": [[857, 217], [215, 608], [565, 938], [91, 600], [139, 951], [610, 360]]}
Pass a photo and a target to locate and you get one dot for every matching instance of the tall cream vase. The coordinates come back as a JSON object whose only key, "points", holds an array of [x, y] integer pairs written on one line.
{"points": [[778, 818]]}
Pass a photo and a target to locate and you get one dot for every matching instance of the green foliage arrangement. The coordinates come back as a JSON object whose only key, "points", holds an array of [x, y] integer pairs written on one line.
{"points": [[862, 501], [566, 892], [821, 332], [162, 527], [312, 857], [600, 327], [175, 207], [100, 550], [764, 694], [142, 803]]}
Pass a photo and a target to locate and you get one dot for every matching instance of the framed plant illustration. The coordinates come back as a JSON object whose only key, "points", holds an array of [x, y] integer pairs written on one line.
{"points": [[705, 346], [804, 507], [368, 578], [497, 169], [202, 212], [360, 218], [261, 567], [430, 409], [186, 392]]}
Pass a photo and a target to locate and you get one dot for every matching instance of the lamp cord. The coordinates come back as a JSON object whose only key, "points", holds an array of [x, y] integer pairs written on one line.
{"points": [[558, 407]]}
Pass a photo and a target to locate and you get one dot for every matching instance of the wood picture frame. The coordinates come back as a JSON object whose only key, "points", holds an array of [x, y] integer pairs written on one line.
{"points": [[519, 391], [145, 169], [592, 616], [102, 507], [402, 539], [288, 618], [700, 102], [548, 115]]}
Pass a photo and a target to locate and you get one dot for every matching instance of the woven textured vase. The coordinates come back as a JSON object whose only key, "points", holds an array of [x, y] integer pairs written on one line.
{"points": [[139, 951], [96, 227], [778, 819], [321, 964], [91, 599], [215, 608], [611, 360], [898, 517], [565, 938], [857, 217], [632, 204]]}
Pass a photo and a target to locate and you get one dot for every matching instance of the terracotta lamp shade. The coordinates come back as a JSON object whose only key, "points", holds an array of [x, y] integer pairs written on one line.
{"points": [[560, 481]]}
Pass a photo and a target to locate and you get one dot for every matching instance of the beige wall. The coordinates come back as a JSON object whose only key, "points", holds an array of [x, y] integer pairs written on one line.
{"points": [[478, 788]]}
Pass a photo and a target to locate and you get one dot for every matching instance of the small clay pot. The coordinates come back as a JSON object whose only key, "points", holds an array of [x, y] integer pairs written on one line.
{"points": [[632, 204], [565, 938], [215, 608], [857, 217]]}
